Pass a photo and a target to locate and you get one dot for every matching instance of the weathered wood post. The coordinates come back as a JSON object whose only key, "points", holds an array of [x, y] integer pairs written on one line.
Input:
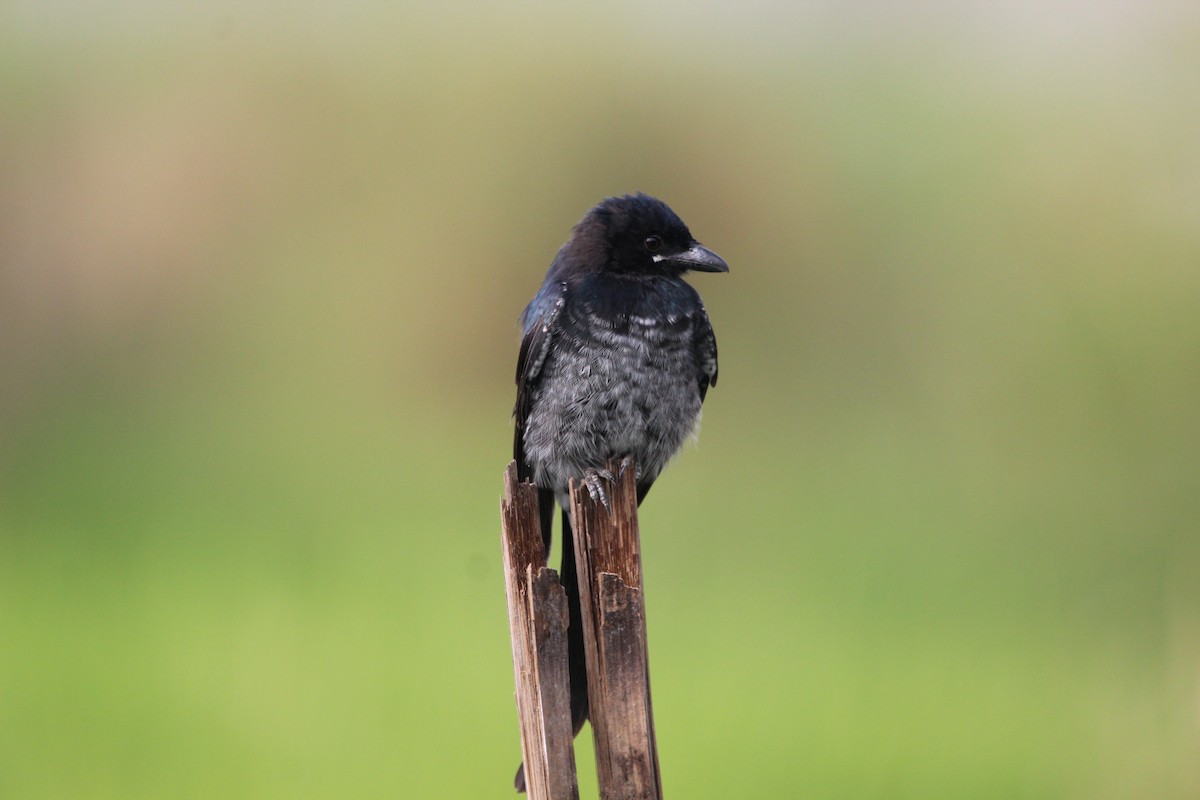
{"points": [[537, 618], [609, 565], [608, 558]]}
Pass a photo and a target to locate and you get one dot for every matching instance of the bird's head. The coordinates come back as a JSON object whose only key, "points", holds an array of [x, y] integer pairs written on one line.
{"points": [[639, 234]]}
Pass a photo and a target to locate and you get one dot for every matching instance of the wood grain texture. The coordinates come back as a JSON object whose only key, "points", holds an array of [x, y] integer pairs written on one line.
{"points": [[537, 616], [608, 559]]}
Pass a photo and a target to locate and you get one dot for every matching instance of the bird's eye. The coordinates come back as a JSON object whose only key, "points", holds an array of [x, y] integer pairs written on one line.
{"points": [[653, 243]]}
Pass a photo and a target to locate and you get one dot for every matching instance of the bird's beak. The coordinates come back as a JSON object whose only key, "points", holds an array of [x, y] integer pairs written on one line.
{"points": [[701, 259]]}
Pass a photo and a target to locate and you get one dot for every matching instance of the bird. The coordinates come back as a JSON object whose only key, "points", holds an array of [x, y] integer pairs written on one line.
{"points": [[617, 355]]}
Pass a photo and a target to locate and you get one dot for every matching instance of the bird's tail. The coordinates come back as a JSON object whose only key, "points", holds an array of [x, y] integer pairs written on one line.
{"points": [[575, 657]]}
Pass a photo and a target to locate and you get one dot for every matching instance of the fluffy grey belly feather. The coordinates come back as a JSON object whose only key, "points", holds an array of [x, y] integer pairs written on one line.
{"points": [[622, 393]]}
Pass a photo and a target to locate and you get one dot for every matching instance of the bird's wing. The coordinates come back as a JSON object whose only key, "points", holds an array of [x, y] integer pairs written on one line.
{"points": [[539, 322], [705, 344]]}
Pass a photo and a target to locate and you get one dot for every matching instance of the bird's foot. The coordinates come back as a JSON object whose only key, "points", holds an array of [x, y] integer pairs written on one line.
{"points": [[594, 481], [627, 463]]}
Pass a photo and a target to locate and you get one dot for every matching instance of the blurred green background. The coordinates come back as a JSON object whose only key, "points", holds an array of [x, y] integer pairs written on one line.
{"points": [[260, 270]]}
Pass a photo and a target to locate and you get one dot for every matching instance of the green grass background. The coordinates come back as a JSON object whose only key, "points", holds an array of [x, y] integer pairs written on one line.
{"points": [[259, 275]]}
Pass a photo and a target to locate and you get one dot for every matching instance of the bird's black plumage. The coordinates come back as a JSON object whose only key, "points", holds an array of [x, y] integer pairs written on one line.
{"points": [[616, 358]]}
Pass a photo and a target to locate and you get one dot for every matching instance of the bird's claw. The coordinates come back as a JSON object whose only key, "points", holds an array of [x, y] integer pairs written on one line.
{"points": [[594, 481], [627, 463]]}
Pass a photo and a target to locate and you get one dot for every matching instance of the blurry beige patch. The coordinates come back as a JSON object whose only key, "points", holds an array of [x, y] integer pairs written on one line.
{"points": [[122, 205]]}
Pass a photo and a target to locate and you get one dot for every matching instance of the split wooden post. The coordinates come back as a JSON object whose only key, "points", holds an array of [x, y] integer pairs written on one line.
{"points": [[537, 617], [609, 562], [609, 565]]}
